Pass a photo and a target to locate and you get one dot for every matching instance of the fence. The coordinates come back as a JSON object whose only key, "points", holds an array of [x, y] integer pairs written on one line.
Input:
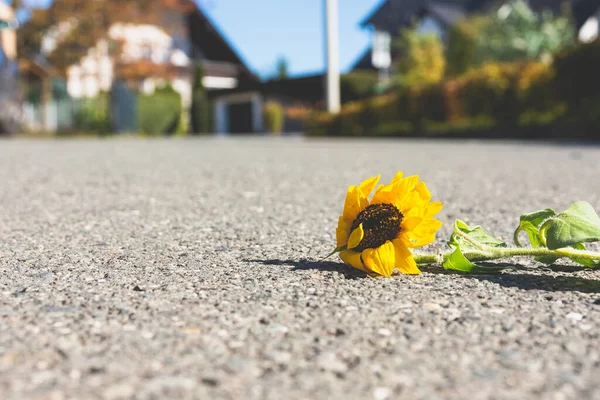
{"points": [[119, 111]]}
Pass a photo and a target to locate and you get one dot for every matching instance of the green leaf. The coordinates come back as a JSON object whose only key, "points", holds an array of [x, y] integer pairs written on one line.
{"points": [[530, 224], [584, 261], [458, 262], [476, 237], [578, 224]]}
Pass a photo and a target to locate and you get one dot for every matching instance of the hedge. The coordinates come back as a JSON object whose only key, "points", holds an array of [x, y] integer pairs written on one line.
{"points": [[160, 113], [273, 117], [494, 95]]}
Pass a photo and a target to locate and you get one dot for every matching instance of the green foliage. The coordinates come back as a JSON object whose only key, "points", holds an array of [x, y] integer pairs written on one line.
{"points": [[516, 32], [530, 224], [424, 62], [578, 224], [570, 229], [552, 236], [497, 94], [524, 97], [282, 68], [357, 85], [465, 239], [577, 83], [273, 117], [160, 113], [93, 115], [201, 112], [462, 41]]}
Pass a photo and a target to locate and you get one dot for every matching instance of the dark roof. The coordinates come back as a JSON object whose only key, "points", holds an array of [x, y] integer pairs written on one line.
{"points": [[584, 9], [447, 14], [307, 88], [364, 60], [392, 15], [214, 46]]}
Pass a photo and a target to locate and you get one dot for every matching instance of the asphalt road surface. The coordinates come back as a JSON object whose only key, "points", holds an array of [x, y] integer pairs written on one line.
{"points": [[134, 269]]}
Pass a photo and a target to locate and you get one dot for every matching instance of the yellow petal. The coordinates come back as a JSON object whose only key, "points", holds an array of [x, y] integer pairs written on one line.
{"points": [[352, 258], [422, 241], [421, 188], [407, 184], [380, 260], [404, 260], [384, 194], [407, 202], [408, 266], [427, 227], [433, 208], [356, 237], [368, 185], [410, 223], [398, 176], [355, 203], [398, 193], [342, 232]]}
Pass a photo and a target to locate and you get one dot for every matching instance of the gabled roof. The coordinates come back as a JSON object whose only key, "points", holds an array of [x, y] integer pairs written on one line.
{"points": [[364, 60], [584, 9], [213, 44], [392, 15], [447, 14]]}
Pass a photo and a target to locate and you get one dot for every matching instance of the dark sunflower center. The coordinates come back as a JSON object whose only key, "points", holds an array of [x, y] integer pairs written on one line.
{"points": [[381, 222]]}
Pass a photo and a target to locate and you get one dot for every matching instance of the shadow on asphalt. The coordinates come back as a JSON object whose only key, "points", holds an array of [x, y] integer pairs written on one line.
{"points": [[519, 277], [308, 265], [530, 279]]}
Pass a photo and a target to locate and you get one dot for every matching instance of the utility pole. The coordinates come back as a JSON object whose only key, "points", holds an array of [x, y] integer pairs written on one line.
{"points": [[332, 56]]}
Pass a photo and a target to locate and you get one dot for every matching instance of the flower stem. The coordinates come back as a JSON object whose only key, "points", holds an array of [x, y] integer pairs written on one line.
{"points": [[492, 253]]}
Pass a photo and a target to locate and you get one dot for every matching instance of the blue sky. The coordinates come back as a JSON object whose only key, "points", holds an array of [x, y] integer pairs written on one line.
{"points": [[261, 31]]}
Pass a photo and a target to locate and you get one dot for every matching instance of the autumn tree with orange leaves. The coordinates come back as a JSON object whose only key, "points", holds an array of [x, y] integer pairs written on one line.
{"points": [[78, 25]]}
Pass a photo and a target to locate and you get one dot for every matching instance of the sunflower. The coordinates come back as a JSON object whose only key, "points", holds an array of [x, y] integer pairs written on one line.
{"points": [[378, 236]]}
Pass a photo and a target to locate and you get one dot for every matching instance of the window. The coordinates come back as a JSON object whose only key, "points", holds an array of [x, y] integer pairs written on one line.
{"points": [[147, 51]]}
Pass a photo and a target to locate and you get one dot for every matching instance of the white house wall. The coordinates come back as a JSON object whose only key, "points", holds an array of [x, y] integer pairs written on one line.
{"points": [[219, 82], [95, 71]]}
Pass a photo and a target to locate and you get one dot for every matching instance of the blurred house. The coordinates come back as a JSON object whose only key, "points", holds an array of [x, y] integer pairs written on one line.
{"points": [[391, 16], [150, 56]]}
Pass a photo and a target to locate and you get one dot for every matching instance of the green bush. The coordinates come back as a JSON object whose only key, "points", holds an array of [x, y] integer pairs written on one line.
{"points": [[424, 62], [494, 94], [93, 115], [201, 112], [462, 39], [160, 113], [273, 117], [358, 85], [576, 82], [519, 33], [529, 97]]}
